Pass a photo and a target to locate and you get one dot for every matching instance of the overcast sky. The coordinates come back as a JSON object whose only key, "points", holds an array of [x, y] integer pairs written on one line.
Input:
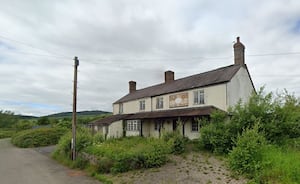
{"points": [[121, 40]]}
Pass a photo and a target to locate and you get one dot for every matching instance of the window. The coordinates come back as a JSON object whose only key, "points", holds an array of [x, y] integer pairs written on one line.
{"points": [[142, 105], [133, 125], [120, 108], [195, 126], [159, 103], [199, 97]]}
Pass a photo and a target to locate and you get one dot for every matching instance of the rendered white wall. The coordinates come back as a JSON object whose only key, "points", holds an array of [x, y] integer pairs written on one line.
{"points": [[115, 129], [240, 87]]}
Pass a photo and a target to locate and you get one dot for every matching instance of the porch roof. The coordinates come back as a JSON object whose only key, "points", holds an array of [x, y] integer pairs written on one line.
{"points": [[186, 112]]}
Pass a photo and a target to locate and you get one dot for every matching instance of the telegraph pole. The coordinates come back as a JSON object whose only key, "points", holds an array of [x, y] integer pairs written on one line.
{"points": [[73, 142]]}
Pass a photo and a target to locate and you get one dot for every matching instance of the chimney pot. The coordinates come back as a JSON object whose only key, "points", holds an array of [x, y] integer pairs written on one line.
{"points": [[239, 52], [169, 76], [132, 86]]}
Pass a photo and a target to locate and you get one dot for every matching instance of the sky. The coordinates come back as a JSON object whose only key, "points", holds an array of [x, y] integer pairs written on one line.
{"points": [[121, 40]]}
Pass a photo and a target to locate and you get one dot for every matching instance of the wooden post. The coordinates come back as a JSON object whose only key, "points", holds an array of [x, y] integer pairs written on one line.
{"points": [[73, 142]]}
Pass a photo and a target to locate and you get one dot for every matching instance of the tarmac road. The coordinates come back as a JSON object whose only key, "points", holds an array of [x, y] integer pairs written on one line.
{"points": [[33, 166]]}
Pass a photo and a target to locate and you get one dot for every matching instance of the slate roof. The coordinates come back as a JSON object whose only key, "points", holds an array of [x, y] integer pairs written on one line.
{"points": [[185, 112], [213, 77]]}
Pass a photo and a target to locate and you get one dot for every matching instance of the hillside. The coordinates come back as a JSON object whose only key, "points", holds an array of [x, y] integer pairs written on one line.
{"points": [[79, 114]]}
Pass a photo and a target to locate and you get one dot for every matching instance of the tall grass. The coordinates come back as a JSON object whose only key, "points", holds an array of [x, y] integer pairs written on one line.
{"points": [[280, 166]]}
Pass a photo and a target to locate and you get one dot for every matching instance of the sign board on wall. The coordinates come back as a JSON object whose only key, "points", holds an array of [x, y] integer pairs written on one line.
{"points": [[179, 100]]}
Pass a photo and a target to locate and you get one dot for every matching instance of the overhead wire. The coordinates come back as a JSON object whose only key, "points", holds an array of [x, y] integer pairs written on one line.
{"points": [[61, 56]]}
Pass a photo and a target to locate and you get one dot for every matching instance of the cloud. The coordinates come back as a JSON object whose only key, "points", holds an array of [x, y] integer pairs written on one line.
{"points": [[119, 41]]}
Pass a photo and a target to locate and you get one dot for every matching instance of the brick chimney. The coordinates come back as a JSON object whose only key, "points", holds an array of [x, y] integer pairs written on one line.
{"points": [[132, 86], [169, 76], [239, 50]]}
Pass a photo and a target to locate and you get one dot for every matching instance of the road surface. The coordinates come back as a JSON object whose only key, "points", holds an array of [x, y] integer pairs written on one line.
{"points": [[33, 166]]}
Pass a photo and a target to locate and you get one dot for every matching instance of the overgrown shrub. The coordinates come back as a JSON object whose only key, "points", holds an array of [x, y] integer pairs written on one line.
{"points": [[37, 137], [279, 116], [98, 138], [121, 155], [64, 123], [43, 121], [104, 165], [23, 125], [279, 119], [176, 140], [246, 157], [7, 119], [5, 133], [216, 135], [83, 139]]}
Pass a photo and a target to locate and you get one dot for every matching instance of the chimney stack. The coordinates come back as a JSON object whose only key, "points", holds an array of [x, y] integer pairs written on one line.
{"points": [[132, 86], [169, 76], [239, 50]]}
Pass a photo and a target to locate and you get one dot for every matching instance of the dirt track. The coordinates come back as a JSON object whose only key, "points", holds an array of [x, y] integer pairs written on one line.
{"points": [[29, 166]]}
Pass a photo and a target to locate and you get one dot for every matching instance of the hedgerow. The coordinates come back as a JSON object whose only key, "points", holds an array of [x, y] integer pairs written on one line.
{"points": [[5, 133], [37, 137]]}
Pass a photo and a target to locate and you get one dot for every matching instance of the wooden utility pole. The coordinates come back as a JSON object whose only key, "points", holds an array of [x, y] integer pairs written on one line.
{"points": [[73, 143]]}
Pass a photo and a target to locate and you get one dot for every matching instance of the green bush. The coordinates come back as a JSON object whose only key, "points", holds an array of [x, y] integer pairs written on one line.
{"points": [[246, 157], [83, 139], [279, 119], [37, 137], [7, 119], [23, 125], [104, 165], [80, 163], [98, 138], [176, 140], [121, 155], [217, 136], [43, 121], [64, 123], [5, 133]]}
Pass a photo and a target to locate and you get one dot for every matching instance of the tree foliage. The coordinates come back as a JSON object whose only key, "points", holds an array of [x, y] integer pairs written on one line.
{"points": [[7, 119], [279, 118]]}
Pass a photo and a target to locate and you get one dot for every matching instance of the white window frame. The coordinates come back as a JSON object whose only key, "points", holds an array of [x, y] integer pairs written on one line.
{"points": [[195, 126], [133, 125], [159, 103], [199, 97], [142, 105]]}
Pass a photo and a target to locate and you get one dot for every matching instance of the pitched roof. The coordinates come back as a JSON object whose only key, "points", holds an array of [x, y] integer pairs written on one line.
{"points": [[109, 119], [186, 112], [217, 76]]}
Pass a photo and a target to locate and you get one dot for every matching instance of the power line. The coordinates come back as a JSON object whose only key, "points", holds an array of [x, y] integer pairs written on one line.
{"points": [[29, 45], [60, 56], [42, 55], [274, 54]]}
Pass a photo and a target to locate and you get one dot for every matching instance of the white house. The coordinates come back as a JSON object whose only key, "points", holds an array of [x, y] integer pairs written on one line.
{"points": [[156, 109]]}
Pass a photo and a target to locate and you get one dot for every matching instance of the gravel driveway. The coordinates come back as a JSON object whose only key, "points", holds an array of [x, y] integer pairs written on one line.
{"points": [[29, 166]]}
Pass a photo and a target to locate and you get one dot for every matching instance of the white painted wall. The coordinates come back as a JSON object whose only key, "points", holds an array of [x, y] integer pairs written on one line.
{"points": [[115, 129], [240, 87], [115, 109], [188, 131], [132, 133], [213, 95], [133, 106]]}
